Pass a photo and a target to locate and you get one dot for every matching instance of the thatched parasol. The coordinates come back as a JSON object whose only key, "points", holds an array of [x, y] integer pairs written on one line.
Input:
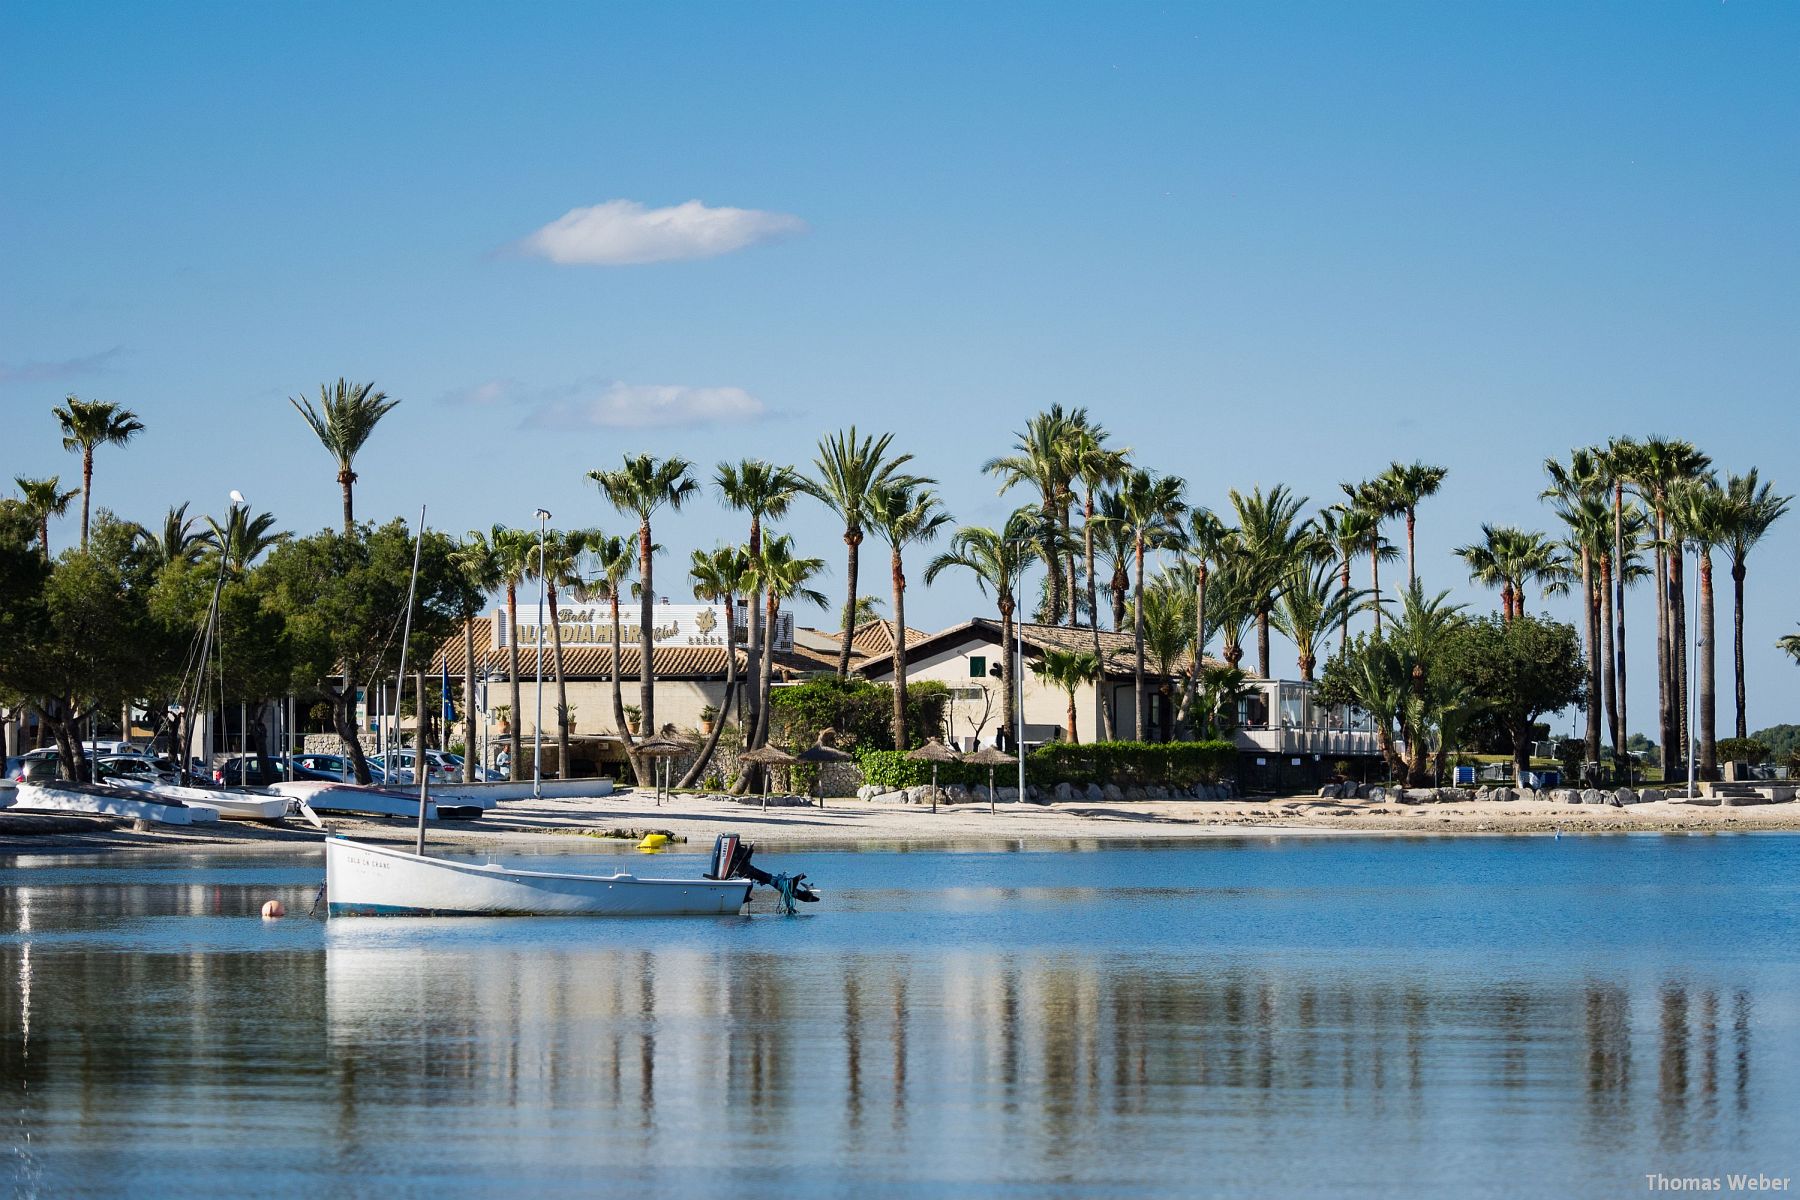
{"points": [[767, 756], [660, 749], [934, 752], [991, 757], [822, 751]]}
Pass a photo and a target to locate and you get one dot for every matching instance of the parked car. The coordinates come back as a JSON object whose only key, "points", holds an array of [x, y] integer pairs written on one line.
{"points": [[39, 766], [398, 766], [332, 767]]}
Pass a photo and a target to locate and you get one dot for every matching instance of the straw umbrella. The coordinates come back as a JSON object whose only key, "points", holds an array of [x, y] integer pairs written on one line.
{"points": [[990, 757], [822, 751], [662, 747], [768, 756], [934, 752]]}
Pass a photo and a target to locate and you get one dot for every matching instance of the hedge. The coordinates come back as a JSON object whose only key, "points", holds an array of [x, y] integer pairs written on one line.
{"points": [[862, 712], [1131, 764], [1127, 764]]}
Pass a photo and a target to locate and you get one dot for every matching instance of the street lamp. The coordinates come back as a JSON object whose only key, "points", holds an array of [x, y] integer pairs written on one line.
{"points": [[1019, 664], [537, 733]]}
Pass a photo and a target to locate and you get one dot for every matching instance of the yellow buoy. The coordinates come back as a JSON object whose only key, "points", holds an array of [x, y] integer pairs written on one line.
{"points": [[653, 842]]}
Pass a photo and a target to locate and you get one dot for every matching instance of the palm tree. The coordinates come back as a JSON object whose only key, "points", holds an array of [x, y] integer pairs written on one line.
{"points": [[1789, 644], [765, 492], [1152, 509], [1112, 532], [559, 563], [613, 558], [850, 471], [346, 416], [1204, 542], [1378, 502], [1067, 670], [641, 486], [1273, 539], [1043, 460], [242, 538], [997, 559], [1753, 508], [1406, 484], [1578, 491], [1096, 465], [1702, 515], [43, 499], [1510, 559], [1353, 530], [904, 514], [1616, 461], [780, 575], [474, 560], [1168, 620], [513, 553], [1313, 602], [718, 577], [87, 424], [177, 542]]}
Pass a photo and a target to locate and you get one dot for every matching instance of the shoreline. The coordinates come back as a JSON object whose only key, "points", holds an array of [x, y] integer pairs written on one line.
{"points": [[566, 825]]}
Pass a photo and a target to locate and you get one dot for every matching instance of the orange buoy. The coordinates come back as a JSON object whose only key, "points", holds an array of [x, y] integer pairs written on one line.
{"points": [[273, 910]]}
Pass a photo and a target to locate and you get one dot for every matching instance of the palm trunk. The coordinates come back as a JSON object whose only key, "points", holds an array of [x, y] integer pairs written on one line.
{"points": [[346, 481], [513, 766], [1009, 676], [1121, 584], [470, 747], [752, 705], [1412, 574], [899, 652], [1591, 652], [853, 537], [1262, 643], [1053, 564], [698, 769], [1074, 736], [1101, 719], [1068, 499], [1679, 654], [562, 691], [1708, 681], [1199, 663], [1665, 730], [44, 535], [1137, 642], [1375, 576], [1624, 724], [639, 770], [1506, 603], [1609, 673], [1344, 579], [87, 491], [646, 642], [772, 621], [1737, 640]]}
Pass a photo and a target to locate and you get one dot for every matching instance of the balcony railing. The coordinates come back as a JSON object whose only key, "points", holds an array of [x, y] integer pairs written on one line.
{"points": [[1293, 740]]}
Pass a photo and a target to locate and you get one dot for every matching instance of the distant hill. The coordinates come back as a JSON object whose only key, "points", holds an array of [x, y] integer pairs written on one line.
{"points": [[1783, 741]]}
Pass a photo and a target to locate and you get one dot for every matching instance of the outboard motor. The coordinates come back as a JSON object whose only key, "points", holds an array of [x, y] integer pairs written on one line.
{"points": [[731, 860]]}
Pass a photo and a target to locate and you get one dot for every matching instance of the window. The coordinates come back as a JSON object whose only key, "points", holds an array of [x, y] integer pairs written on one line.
{"points": [[977, 666]]}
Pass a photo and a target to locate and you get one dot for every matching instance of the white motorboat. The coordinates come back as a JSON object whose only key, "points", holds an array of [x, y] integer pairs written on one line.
{"points": [[348, 799], [234, 804], [366, 880], [112, 802], [487, 794]]}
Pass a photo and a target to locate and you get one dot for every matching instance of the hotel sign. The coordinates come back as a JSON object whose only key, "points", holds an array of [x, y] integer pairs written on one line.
{"points": [[590, 625]]}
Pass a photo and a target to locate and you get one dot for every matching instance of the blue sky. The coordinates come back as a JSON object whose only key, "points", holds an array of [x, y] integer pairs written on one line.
{"points": [[1262, 243]]}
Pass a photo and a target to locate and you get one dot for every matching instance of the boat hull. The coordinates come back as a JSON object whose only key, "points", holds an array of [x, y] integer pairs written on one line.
{"points": [[111, 802], [350, 800], [232, 805], [362, 880]]}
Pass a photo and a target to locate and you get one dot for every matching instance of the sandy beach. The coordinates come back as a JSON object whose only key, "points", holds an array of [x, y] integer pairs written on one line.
{"points": [[552, 824]]}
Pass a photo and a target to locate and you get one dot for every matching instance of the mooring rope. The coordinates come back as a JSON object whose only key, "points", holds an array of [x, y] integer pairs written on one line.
{"points": [[784, 885]]}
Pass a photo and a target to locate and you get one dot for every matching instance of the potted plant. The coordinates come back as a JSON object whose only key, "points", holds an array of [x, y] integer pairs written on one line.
{"points": [[708, 715], [633, 714], [568, 713]]}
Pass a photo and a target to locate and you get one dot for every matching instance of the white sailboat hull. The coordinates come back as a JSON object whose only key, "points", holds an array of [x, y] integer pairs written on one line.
{"points": [[352, 800], [366, 880], [488, 794], [232, 805], [111, 802]]}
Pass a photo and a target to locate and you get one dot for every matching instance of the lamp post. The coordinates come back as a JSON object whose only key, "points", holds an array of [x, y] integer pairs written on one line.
{"points": [[1019, 665], [1687, 747], [537, 733]]}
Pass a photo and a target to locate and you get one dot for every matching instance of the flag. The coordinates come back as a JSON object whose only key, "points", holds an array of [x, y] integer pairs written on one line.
{"points": [[444, 691]]}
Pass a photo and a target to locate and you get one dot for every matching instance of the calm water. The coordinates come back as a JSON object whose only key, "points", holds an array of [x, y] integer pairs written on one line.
{"points": [[1478, 1017]]}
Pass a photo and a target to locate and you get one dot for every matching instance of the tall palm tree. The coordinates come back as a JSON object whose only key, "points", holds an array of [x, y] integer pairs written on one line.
{"points": [[86, 425], [765, 492], [1753, 508], [1378, 502], [1042, 459], [1168, 619], [1702, 514], [515, 552], [781, 575], [1578, 492], [641, 486], [1204, 542], [1353, 530], [1152, 508], [1274, 539], [1067, 670], [1511, 560], [849, 471], [177, 542], [718, 577], [613, 558], [1406, 484], [1313, 602], [242, 538], [1616, 460], [561, 557], [904, 514], [1095, 465], [474, 560], [43, 499], [346, 416], [997, 559]]}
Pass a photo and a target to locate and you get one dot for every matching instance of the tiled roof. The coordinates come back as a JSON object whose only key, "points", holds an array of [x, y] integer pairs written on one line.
{"points": [[590, 662], [1116, 648], [872, 639]]}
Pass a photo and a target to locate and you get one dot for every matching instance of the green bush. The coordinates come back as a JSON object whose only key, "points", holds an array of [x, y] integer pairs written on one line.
{"points": [[860, 711], [891, 769], [1131, 764], [1746, 750]]}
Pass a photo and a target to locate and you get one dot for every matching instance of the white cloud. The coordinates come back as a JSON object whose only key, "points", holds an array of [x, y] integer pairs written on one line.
{"points": [[492, 394], [622, 233], [648, 406]]}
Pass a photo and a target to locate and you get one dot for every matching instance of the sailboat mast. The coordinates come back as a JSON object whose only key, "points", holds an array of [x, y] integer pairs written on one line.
{"points": [[412, 586]]}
